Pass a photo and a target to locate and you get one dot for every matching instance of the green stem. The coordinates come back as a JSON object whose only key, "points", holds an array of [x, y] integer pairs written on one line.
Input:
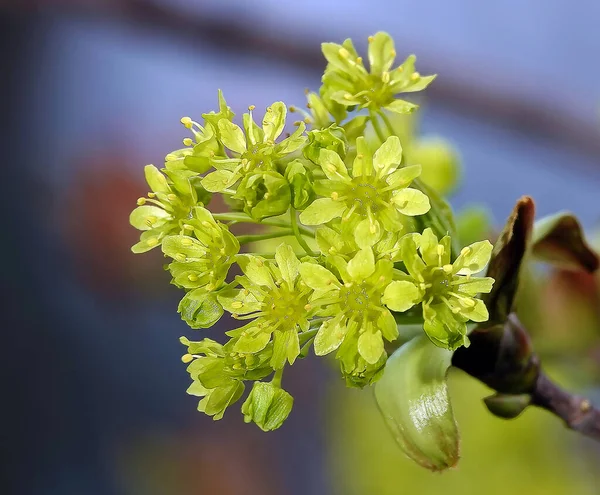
{"points": [[242, 218], [387, 123], [244, 239], [296, 230], [277, 378], [376, 126]]}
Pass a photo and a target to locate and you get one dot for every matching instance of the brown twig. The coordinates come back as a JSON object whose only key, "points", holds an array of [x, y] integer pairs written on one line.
{"points": [[577, 412], [502, 358]]}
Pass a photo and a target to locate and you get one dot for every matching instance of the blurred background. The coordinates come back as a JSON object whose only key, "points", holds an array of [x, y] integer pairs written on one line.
{"points": [[94, 387]]}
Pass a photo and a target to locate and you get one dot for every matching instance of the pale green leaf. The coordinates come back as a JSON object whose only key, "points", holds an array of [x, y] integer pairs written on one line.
{"points": [[288, 263], [413, 398]]}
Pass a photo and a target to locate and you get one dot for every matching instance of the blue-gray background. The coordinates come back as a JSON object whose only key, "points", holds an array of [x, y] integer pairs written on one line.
{"points": [[95, 91]]}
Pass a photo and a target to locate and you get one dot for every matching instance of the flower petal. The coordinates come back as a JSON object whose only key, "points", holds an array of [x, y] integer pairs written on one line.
{"points": [[332, 165], [322, 211], [318, 277], [473, 258], [411, 202], [330, 336], [370, 346], [388, 156], [381, 53], [401, 295], [367, 233], [232, 136], [288, 263], [274, 120], [362, 265]]}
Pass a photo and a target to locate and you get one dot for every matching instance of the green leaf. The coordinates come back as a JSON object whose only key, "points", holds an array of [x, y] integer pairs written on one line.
{"points": [[411, 202], [321, 211], [362, 265], [381, 53], [232, 136], [370, 346], [401, 106], [559, 240], [200, 309], [507, 406], [401, 295], [274, 120], [413, 398]]}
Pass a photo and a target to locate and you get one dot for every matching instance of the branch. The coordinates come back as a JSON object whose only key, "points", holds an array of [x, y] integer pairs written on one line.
{"points": [[503, 359], [577, 412]]}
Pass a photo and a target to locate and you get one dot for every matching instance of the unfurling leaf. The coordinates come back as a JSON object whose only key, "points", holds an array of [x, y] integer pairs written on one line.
{"points": [[559, 239], [413, 398], [507, 257], [507, 406]]}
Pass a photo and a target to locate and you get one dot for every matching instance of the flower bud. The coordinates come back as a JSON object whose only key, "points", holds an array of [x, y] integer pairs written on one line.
{"points": [[267, 405]]}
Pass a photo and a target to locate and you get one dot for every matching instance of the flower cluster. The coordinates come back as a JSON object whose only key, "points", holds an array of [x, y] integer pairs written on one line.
{"points": [[360, 256]]}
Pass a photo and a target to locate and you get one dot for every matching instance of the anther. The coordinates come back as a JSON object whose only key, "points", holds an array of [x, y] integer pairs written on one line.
{"points": [[344, 53], [192, 277], [153, 241], [251, 107], [180, 257], [334, 196], [370, 39], [151, 195], [141, 201], [415, 76], [187, 141], [237, 304], [187, 358], [187, 122], [186, 242], [171, 197], [447, 269]]}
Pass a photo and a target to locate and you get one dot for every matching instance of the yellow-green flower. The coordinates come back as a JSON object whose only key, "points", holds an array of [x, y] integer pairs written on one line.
{"points": [[446, 290], [347, 82], [253, 150], [159, 214], [360, 321], [276, 300], [372, 197]]}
